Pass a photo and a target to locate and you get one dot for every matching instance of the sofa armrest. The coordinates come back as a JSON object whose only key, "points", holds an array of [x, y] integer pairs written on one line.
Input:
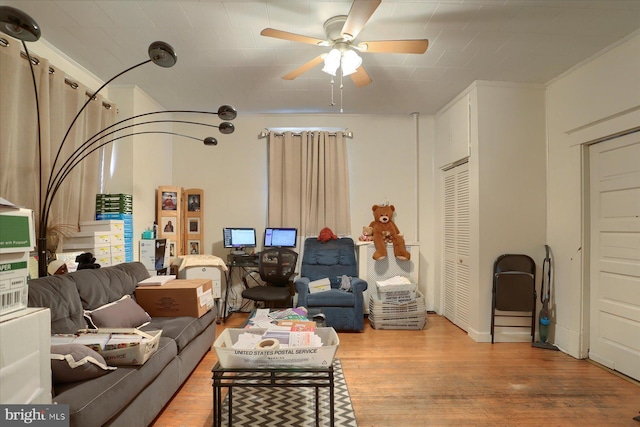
{"points": [[302, 288], [358, 285]]}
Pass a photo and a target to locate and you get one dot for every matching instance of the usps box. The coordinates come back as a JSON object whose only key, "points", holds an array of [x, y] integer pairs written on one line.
{"points": [[294, 356], [135, 354], [192, 297], [14, 272], [17, 233], [397, 294]]}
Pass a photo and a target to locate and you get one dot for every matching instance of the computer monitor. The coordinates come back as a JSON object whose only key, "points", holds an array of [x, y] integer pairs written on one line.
{"points": [[239, 237], [280, 237]]}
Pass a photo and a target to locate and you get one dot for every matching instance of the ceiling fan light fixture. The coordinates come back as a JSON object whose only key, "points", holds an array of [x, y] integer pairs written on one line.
{"points": [[351, 61], [332, 62]]}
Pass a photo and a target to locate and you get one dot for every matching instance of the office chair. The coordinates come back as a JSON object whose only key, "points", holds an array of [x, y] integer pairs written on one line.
{"points": [[275, 266]]}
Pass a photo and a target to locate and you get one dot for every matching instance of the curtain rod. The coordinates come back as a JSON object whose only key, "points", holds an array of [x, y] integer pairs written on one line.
{"points": [[69, 82], [264, 134]]}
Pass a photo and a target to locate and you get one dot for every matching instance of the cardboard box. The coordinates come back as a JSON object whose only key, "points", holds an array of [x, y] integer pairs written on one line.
{"points": [[204, 272], [89, 238], [14, 271], [17, 232], [294, 356], [191, 297], [154, 253], [136, 354], [319, 285], [116, 226]]}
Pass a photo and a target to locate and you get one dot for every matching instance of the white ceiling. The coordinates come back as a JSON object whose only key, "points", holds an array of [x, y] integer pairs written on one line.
{"points": [[223, 59]]}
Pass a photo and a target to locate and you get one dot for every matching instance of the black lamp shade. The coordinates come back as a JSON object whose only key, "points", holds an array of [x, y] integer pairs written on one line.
{"points": [[210, 141], [162, 54], [18, 24], [226, 128], [227, 112]]}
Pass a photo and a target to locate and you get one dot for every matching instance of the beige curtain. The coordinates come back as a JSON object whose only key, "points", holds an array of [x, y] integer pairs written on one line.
{"points": [[309, 182], [59, 103]]}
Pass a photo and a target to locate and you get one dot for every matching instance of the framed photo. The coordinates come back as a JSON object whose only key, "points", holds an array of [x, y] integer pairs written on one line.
{"points": [[193, 203], [169, 200], [194, 226], [194, 247], [169, 225], [172, 249]]}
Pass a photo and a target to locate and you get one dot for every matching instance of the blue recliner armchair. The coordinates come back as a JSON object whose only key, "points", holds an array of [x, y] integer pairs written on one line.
{"points": [[343, 310]]}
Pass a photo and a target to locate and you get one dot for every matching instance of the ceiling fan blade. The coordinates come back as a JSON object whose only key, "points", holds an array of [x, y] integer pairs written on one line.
{"points": [[361, 11], [360, 77], [278, 34], [304, 68], [395, 46]]}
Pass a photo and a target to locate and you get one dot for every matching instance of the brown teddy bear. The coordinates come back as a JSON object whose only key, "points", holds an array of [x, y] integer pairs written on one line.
{"points": [[385, 230], [326, 234], [367, 234]]}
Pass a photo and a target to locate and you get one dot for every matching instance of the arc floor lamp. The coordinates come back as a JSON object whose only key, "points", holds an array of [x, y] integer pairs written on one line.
{"points": [[23, 27]]}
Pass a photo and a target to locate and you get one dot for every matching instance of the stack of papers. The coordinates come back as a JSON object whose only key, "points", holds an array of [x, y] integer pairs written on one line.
{"points": [[396, 280], [319, 285], [285, 336], [156, 280]]}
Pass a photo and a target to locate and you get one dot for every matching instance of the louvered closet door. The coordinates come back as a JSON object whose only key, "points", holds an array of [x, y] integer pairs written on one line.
{"points": [[456, 245]]}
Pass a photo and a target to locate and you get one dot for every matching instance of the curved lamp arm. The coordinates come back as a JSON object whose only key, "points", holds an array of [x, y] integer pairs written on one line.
{"points": [[21, 26]]}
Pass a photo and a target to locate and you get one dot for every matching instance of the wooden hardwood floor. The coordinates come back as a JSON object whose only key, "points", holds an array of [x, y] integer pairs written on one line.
{"points": [[440, 377]]}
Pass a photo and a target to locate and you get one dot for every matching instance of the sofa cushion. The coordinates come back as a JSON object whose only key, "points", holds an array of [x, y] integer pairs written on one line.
{"points": [[76, 362], [182, 329], [94, 402], [124, 313], [331, 298], [101, 286], [60, 295]]}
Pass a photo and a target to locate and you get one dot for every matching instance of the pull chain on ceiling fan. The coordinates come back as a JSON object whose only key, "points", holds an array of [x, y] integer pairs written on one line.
{"points": [[341, 32]]}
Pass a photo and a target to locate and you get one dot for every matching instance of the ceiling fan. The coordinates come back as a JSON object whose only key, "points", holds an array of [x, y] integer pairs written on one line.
{"points": [[342, 31]]}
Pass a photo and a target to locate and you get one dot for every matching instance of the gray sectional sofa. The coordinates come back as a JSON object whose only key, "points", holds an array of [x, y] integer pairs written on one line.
{"points": [[130, 395]]}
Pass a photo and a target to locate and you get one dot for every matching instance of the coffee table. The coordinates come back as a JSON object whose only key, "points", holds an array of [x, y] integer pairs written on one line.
{"points": [[277, 376]]}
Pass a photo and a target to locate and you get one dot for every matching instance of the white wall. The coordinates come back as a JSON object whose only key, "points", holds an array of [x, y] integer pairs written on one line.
{"points": [[141, 163], [600, 98], [382, 162]]}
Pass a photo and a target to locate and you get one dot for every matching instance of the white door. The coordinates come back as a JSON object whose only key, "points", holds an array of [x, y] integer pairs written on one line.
{"points": [[615, 254], [456, 245]]}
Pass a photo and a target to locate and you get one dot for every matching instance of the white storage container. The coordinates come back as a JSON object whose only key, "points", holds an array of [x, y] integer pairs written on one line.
{"points": [[294, 356]]}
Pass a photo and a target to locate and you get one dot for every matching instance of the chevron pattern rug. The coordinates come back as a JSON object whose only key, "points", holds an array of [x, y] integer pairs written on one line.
{"points": [[290, 407]]}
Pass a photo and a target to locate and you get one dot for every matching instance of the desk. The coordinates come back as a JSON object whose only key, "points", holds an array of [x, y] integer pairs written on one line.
{"points": [[245, 264], [281, 376]]}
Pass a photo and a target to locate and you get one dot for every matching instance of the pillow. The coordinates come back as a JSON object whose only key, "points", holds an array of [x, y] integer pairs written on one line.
{"points": [[76, 362], [124, 313]]}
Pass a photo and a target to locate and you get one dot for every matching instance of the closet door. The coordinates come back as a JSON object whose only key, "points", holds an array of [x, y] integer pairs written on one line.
{"points": [[456, 245], [614, 336]]}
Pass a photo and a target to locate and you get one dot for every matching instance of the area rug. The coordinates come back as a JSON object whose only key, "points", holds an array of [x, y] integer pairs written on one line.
{"points": [[290, 407]]}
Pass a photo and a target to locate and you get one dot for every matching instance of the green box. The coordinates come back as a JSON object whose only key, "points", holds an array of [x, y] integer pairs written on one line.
{"points": [[16, 230]]}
